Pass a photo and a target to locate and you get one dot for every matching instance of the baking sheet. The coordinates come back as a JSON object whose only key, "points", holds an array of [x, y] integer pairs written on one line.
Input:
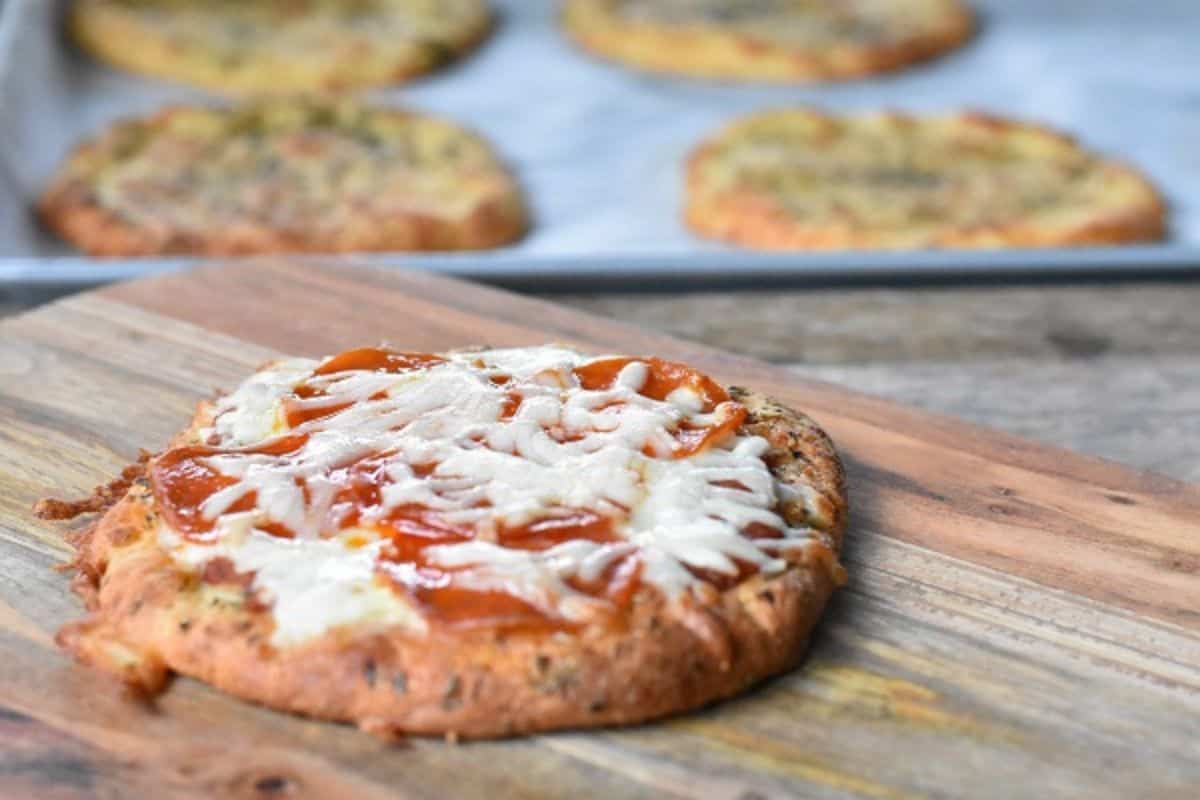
{"points": [[599, 149]]}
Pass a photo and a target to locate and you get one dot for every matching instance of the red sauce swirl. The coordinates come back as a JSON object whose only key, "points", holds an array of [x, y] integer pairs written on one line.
{"points": [[182, 481]]}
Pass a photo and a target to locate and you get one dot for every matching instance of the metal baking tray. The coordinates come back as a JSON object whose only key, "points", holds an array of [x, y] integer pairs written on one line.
{"points": [[599, 149]]}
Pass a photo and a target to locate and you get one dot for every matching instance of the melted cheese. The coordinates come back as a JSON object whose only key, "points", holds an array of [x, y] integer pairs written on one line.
{"points": [[313, 584], [564, 447]]}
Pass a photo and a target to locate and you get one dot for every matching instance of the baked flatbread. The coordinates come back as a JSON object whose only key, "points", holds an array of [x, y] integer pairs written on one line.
{"points": [[268, 46], [475, 543], [283, 175], [768, 40], [805, 180]]}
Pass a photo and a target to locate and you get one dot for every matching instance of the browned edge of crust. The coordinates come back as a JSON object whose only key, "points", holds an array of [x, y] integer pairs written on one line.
{"points": [[70, 208], [485, 684], [95, 230]]}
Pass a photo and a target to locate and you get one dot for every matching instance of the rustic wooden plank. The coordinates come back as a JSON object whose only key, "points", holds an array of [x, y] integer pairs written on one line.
{"points": [[1014, 623], [47, 762], [918, 324], [1138, 410], [909, 324], [525, 319], [885, 678], [1105, 369]]}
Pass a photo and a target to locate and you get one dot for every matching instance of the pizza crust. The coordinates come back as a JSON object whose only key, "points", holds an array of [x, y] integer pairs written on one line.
{"points": [[227, 182], [149, 619], [719, 49], [825, 182], [279, 48]]}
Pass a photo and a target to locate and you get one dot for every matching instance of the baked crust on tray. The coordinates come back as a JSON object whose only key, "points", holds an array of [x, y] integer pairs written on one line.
{"points": [[806, 180], [258, 46], [283, 175], [777, 40], [649, 651]]}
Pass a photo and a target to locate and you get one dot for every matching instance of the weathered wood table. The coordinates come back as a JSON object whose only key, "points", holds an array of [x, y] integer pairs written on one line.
{"points": [[1020, 621], [1111, 370]]}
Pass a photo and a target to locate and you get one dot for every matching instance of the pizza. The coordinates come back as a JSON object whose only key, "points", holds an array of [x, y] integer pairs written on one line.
{"points": [[768, 40], [807, 180], [267, 46], [474, 543], [283, 175]]}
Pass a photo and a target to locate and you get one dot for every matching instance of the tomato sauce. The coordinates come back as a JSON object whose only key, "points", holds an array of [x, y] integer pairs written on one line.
{"points": [[617, 583], [544, 533], [182, 482], [297, 414], [512, 402], [692, 440], [443, 599], [663, 378], [301, 408], [374, 359], [450, 605]]}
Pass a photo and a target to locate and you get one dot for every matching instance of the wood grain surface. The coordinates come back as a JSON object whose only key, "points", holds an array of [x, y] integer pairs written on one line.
{"points": [[1020, 621], [1111, 369]]}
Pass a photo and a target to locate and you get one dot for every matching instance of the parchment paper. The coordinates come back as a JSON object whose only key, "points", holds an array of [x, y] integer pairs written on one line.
{"points": [[599, 148]]}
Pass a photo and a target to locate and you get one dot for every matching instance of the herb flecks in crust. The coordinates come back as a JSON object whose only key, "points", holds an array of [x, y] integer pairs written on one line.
{"points": [[283, 176], [645, 615], [801, 179], [268, 46], [773, 40]]}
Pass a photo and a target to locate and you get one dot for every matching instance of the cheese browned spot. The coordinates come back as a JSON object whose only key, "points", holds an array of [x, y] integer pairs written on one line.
{"points": [[768, 39], [268, 46], [806, 180], [283, 175], [529, 488]]}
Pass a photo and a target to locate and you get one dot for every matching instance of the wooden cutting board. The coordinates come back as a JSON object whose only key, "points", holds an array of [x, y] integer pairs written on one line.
{"points": [[1020, 621]]}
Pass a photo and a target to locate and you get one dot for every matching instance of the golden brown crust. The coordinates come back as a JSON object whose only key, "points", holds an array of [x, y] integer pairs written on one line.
{"points": [[240, 181], [102, 498], [894, 181], [801, 454], [711, 45], [299, 46], [150, 618]]}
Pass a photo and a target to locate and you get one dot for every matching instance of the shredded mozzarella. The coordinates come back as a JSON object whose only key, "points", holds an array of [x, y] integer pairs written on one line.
{"points": [[565, 447]]}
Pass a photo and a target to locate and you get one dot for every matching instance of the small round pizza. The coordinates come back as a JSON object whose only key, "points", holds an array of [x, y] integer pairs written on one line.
{"points": [[268, 46], [805, 180], [283, 175], [768, 40], [475, 543]]}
